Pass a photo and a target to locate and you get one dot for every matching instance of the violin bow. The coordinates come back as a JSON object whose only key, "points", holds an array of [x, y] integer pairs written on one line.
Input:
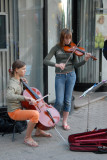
{"points": [[73, 52]]}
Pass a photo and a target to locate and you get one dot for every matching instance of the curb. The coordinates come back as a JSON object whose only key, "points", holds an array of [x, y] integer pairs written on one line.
{"points": [[76, 106]]}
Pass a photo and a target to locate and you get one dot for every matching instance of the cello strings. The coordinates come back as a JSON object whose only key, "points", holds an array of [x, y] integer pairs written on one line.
{"points": [[42, 97]]}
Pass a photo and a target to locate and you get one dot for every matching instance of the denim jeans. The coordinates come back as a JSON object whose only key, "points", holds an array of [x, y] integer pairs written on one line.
{"points": [[64, 85]]}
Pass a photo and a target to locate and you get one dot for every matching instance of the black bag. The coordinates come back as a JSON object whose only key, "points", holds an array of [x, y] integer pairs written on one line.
{"points": [[7, 124], [105, 49]]}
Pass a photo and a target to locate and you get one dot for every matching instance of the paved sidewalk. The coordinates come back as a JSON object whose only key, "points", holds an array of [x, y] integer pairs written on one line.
{"points": [[93, 97], [55, 148]]}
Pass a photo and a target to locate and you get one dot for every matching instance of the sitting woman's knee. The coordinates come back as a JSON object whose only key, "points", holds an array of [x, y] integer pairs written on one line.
{"points": [[35, 116]]}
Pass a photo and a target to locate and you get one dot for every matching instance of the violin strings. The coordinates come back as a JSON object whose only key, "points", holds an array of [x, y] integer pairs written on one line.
{"points": [[73, 52]]}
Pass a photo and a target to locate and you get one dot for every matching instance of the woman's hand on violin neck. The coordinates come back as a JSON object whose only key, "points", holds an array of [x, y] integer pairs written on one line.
{"points": [[87, 56], [61, 65]]}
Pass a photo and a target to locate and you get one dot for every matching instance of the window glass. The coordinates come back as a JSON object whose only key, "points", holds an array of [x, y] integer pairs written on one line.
{"points": [[86, 12], [31, 40], [3, 37]]}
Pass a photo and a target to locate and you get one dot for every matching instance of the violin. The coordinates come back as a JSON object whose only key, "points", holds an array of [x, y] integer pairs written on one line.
{"points": [[79, 51], [48, 115]]}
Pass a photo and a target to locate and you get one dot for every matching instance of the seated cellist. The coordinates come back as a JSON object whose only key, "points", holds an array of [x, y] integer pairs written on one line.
{"points": [[15, 111]]}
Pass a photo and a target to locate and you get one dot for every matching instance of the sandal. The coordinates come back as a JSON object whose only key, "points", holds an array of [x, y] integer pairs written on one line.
{"points": [[66, 127], [31, 143]]}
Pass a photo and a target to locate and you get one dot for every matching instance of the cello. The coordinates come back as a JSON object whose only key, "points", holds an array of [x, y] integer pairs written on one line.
{"points": [[48, 115]]}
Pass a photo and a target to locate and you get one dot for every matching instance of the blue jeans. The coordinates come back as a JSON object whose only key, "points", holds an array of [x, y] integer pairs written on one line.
{"points": [[64, 85]]}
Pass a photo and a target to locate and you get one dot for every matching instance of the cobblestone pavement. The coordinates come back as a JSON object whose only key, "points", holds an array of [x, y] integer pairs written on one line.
{"points": [[55, 148]]}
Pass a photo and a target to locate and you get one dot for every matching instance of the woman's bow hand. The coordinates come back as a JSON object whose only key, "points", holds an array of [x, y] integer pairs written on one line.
{"points": [[31, 100], [61, 66]]}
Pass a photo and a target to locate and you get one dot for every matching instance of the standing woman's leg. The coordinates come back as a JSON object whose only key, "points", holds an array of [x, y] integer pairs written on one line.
{"points": [[59, 91], [69, 86]]}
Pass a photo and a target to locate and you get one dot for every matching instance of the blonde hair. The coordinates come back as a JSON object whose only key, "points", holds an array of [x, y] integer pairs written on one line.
{"points": [[100, 18]]}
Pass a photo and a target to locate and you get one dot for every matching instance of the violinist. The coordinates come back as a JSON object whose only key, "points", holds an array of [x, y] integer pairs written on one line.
{"points": [[15, 111], [65, 74]]}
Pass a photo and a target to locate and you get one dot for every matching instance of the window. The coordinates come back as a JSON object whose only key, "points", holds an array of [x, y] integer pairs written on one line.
{"points": [[3, 31]]}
